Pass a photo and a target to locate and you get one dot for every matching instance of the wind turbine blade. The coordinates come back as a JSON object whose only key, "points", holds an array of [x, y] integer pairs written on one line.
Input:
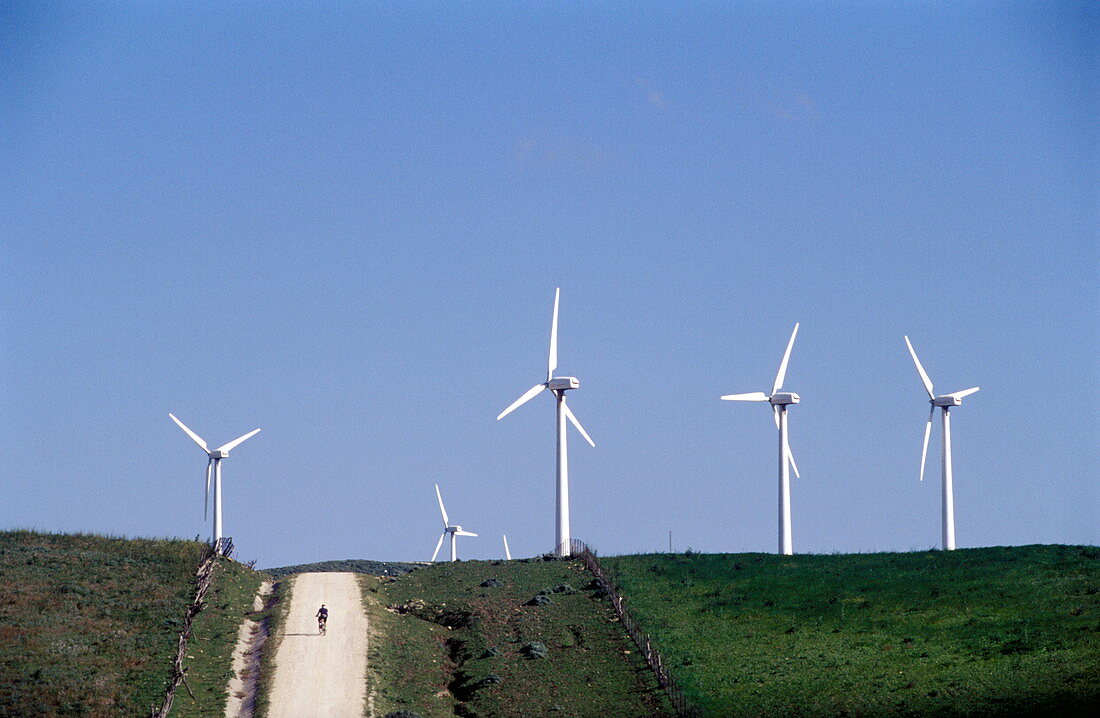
{"points": [[194, 437], [507, 552], [569, 415], [964, 392], [446, 521], [790, 457], [206, 497], [923, 375], [751, 396], [783, 365], [552, 361], [775, 415], [239, 440], [522, 400], [465, 533], [438, 545], [924, 448]]}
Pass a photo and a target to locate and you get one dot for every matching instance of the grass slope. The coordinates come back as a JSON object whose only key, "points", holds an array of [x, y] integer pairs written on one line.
{"points": [[89, 624], [209, 658], [976, 632], [435, 657]]}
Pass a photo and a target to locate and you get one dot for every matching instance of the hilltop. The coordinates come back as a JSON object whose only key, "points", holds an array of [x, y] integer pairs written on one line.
{"points": [[350, 565], [976, 632], [503, 638], [89, 625]]}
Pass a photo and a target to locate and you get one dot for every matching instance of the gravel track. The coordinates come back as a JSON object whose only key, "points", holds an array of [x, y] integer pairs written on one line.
{"points": [[322, 676]]}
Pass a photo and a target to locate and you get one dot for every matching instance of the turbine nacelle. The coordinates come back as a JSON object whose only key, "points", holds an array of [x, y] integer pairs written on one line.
{"points": [[783, 399], [947, 400], [563, 383], [219, 454]]}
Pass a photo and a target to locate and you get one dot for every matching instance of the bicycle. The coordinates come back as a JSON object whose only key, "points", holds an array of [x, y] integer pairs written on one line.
{"points": [[322, 625]]}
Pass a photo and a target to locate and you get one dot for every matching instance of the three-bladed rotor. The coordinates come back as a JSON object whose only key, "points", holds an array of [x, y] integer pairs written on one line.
{"points": [[779, 400], [214, 457], [944, 401], [556, 385]]}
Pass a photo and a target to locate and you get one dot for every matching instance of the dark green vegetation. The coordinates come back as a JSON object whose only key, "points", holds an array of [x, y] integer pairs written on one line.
{"points": [[976, 632], [350, 565], [89, 625], [449, 646]]}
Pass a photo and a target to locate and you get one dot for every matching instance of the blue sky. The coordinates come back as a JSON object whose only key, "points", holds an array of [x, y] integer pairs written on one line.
{"points": [[344, 223]]}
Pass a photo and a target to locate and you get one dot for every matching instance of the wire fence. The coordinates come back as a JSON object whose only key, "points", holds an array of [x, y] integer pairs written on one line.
{"points": [[641, 639]]}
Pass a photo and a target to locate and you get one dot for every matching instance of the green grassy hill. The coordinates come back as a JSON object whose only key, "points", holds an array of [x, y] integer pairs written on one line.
{"points": [[89, 625], [457, 647], [976, 632]]}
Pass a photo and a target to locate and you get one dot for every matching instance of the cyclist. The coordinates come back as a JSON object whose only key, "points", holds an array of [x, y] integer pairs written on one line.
{"points": [[322, 619]]}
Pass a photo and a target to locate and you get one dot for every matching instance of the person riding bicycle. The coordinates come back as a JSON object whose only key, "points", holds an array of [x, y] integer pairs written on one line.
{"points": [[322, 618]]}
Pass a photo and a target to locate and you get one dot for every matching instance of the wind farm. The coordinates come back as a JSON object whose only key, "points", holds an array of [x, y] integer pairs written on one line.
{"points": [[367, 227]]}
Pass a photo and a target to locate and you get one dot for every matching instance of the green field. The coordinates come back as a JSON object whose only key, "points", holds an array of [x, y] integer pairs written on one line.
{"points": [[89, 625], [975, 632], [443, 652]]}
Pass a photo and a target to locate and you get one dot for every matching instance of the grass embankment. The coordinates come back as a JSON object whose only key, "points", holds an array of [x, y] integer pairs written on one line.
{"points": [[89, 625], [456, 647], [976, 632], [214, 635]]}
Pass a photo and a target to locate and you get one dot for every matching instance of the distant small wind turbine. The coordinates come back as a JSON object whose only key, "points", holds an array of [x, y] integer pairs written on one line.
{"points": [[780, 402], [507, 553], [214, 466], [454, 530], [945, 402], [557, 386]]}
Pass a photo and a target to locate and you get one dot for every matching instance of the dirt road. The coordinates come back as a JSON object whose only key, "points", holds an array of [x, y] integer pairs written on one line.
{"points": [[322, 676]]}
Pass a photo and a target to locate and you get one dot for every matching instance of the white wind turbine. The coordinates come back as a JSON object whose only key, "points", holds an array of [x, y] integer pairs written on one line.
{"points": [[780, 402], [945, 402], [214, 467], [557, 386], [453, 530]]}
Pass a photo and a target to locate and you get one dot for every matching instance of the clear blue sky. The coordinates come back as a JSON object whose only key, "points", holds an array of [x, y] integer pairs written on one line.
{"points": [[344, 223]]}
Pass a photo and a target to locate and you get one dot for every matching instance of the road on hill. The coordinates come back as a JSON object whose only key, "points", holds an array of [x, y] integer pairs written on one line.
{"points": [[322, 676]]}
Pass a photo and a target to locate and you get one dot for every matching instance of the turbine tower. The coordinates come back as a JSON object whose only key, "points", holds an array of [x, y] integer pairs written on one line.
{"points": [[454, 530], [945, 402], [557, 385], [780, 402], [214, 467]]}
